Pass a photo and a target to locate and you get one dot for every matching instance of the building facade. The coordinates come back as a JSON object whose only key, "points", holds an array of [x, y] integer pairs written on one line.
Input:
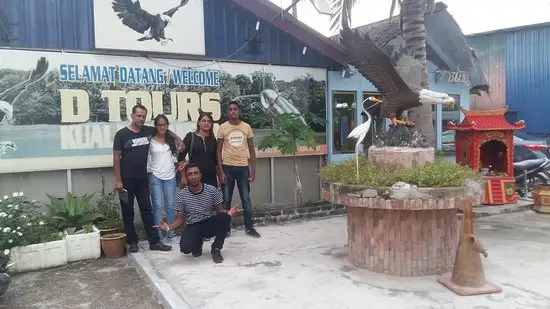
{"points": [[452, 69], [70, 71], [516, 64]]}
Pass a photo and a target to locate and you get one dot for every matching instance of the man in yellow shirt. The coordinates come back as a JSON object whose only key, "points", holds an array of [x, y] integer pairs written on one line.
{"points": [[235, 145]]}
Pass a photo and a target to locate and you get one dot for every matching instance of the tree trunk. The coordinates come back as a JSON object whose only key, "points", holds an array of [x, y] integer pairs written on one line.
{"points": [[414, 35], [296, 180]]}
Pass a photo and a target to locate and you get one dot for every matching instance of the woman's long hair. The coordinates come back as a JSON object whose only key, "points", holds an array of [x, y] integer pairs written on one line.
{"points": [[168, 139], [209, 116]]}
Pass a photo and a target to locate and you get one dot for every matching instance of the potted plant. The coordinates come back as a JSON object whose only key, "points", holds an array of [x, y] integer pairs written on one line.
{"points": [[113, 243], [72, 216]]}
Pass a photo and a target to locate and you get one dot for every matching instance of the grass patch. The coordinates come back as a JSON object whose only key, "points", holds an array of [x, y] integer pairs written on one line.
{"points": [[439, 174]]}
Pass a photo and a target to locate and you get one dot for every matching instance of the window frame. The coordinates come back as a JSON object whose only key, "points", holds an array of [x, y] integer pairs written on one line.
{"points": [[334, 94]]}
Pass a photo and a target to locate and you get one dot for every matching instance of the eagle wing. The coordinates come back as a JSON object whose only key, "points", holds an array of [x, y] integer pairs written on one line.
{"points": [[173, 10], [10, 95], [132, 15], [373, 64]]}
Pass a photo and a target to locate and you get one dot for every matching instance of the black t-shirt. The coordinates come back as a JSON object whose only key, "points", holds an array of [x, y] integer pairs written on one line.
{"points": [[204, 153], [135, 150]]}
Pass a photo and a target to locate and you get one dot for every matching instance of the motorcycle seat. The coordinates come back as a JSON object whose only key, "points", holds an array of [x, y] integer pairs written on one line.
{"points": [[529, 164]]}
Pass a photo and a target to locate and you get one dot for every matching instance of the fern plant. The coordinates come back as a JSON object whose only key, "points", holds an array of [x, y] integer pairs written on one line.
{"points": [[72, 212]]}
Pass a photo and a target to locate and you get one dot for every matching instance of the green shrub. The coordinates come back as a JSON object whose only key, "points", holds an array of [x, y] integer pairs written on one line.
{"points": [[438, 174]]}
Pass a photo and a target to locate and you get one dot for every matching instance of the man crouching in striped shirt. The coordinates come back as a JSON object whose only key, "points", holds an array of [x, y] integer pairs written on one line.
{"points": [[199, 205]]}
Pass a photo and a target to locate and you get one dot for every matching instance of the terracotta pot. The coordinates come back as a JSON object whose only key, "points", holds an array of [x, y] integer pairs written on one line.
{"points": [[113, 245], [108, 230]]}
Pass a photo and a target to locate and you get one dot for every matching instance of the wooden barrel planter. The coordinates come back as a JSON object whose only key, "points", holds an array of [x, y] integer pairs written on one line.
{"points": [[403, 231]]}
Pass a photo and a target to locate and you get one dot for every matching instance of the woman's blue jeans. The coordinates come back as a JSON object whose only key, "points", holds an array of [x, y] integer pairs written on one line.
{"points": [[159, 189]]}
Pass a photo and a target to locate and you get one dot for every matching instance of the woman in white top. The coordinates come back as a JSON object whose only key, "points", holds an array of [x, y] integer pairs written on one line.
{"points": [[162, 172]]}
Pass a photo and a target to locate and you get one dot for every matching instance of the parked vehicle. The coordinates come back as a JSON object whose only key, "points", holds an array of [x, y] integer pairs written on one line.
{"points": [[531, 159], [5, 279]]}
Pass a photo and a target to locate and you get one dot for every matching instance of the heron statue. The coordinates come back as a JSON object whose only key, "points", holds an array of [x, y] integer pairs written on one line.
{"points": [[360, 132]]}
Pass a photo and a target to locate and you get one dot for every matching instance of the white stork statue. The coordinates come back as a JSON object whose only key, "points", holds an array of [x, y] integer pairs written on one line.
{"points": [[360, 131]]}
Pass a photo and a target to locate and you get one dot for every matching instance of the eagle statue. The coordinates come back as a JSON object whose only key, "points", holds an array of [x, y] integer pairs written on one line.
{"points": [[139, 20], [398, 84]]}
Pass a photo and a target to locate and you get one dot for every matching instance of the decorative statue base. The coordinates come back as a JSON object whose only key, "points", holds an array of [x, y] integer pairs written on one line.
{"points": [[401, 136], [468, 277]]}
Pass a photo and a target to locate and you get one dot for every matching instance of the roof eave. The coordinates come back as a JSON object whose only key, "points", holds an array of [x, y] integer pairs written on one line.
{"points": [[286, 22]]}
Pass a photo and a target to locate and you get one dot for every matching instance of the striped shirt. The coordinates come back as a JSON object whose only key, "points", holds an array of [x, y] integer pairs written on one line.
{"points": [[198, 206]]}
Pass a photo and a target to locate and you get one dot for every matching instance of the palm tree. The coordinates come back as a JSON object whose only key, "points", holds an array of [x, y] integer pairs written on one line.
{"points": [[413, 30]]}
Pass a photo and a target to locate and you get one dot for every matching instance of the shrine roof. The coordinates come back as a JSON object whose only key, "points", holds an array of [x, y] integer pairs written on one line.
{"points": [[489, 120]]}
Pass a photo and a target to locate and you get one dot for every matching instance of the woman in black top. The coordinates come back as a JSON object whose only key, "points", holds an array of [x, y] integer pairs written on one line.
{"points": [[201, 146]]}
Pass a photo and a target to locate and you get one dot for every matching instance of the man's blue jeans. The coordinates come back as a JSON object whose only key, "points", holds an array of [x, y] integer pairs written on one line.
{"points": [[159, 189], [239, 175]]}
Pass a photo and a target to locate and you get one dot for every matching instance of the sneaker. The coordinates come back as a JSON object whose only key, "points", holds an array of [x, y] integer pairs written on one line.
{"points": [[253, 233], [133, 247], [217, 256], [160, 247]]}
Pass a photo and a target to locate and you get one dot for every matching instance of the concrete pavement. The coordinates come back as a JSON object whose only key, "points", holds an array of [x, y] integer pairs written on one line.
{"points": [[304, 265]]}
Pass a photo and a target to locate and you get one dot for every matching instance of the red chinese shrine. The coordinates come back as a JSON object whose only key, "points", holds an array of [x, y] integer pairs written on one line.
{"points": [[484, 141]]}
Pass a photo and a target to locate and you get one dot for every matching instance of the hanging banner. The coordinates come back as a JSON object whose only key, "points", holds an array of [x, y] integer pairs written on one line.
{"points": [[61, 110]]}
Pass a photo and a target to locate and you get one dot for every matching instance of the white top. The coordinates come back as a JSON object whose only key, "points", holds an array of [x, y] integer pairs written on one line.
{"points": [[161, 161]]}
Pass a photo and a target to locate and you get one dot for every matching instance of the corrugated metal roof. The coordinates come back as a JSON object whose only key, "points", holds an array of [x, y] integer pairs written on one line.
{"points": [[528, 77], [69, 25], [55, 24], [228, 26], [490, 51], [511, 29]]}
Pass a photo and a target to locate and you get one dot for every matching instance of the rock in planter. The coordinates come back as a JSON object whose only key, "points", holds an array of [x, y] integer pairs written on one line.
{"points": [[84, 246], [39, 256], [113, 245]]}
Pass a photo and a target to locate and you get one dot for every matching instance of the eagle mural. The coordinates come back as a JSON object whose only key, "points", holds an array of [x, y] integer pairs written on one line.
{"points": [[151, 25], [398, 84], [9, 97]]}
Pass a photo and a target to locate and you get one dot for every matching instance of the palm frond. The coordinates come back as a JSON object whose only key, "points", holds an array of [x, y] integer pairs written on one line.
{"points": [[340, 11]]}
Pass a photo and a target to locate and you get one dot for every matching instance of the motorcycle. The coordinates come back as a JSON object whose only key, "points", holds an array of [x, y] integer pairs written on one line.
{"points": [[529, 172], [5, 279]]}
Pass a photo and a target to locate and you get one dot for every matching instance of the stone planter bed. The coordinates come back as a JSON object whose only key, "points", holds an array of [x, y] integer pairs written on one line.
{"points": [[402, 230]]}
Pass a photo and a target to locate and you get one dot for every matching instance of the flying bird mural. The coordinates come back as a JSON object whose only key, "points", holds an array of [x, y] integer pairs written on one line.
{"points": [[397, 85], [9, 97], [152, 25]]}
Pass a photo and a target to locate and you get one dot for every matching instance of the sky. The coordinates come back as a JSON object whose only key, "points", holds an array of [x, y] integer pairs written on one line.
{"points": [[473, 16]]}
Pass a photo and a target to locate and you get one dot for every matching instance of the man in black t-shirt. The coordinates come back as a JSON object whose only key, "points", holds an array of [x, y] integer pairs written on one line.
{"points": [[130, 152]]}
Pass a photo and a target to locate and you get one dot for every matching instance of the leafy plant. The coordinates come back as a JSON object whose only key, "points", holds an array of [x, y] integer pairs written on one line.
{"points": [[289, 131], [441, 173], [12, 220], [108, 207], [71, 212], [40, 231]]}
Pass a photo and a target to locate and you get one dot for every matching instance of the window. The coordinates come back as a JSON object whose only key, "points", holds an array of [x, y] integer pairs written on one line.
{"points": [[343, 121], [377, 122]]}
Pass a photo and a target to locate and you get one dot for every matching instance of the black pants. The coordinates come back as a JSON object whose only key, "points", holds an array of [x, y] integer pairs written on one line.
{"points": [[138, 188], [193, 234]]}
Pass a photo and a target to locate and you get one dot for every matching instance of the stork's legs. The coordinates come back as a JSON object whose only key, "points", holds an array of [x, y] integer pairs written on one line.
{"points": [[357, 160]]}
